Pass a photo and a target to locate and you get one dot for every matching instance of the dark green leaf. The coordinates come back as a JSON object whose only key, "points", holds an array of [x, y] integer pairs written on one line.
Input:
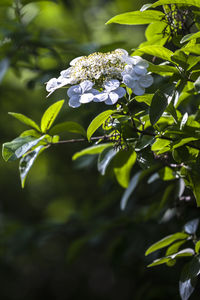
{"points": [[158, 106], [137, 17], [69, 127], [166, 241], [98, 121], [50, 114], [188, 278], [25, 120], [26, 163]]}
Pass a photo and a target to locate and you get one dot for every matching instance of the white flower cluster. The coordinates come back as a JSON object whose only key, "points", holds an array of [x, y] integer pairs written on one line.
{"points": [[105, 72]]}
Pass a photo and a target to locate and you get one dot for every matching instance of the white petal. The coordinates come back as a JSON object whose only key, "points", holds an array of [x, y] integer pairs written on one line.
{"points": [[129, 81], [120, 92], [101, 97], [66, 73], [74, 90], [146, 81], [51, 84], [138, 90], [74, 61], [112, 99], [87, 97], [140, 61], [111, 85], [140, 70], [86, 85], [74, 101]]}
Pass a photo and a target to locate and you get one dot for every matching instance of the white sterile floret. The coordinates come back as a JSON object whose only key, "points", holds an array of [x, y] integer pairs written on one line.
{"points": [[82, 93], [111, 93], [136, 77], [56, 83]]}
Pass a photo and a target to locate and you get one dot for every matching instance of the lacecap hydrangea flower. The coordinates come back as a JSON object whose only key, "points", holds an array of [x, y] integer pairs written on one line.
{"points": [[98, 77]]}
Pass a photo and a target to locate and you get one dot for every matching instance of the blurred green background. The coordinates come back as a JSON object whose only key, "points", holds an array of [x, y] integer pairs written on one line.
{"points": [[63, 236]]}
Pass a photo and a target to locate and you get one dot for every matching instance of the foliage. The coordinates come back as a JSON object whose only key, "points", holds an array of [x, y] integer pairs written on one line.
{"points": [[147, 140]]}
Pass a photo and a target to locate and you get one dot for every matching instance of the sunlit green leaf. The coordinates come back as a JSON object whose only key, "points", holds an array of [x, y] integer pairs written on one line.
{"points": [[123, 164], [166, 241], [182, 253], [197, 247], [50, 114], [157, 51], [137, 17], [92, 150], [98, 121], [184, 2], [190, 36], [23, 119], [146, 98]]}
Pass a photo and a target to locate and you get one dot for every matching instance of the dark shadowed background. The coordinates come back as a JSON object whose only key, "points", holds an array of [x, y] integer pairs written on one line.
{"points": [[64, 236]]}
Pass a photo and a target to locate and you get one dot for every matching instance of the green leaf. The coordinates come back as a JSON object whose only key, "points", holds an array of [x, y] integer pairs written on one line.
{"points": [[155, 30], [174, 247], [183, 142], [146, 98], [182, 253], [137, 17], [18, 147], [91, 150], [158, 106], [160, 144], [30, 132], [69, 127], [184, 2], [195, 185], [144, 142], [105, 158], [197, 247], [192, 49], [163, 70], [132, 185], [159, 261], [25, 120], [50, 114], [166, 241], [26, 163], [98, 121], [188, 278], [190, 36], [156, 50], [123, 164]]}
